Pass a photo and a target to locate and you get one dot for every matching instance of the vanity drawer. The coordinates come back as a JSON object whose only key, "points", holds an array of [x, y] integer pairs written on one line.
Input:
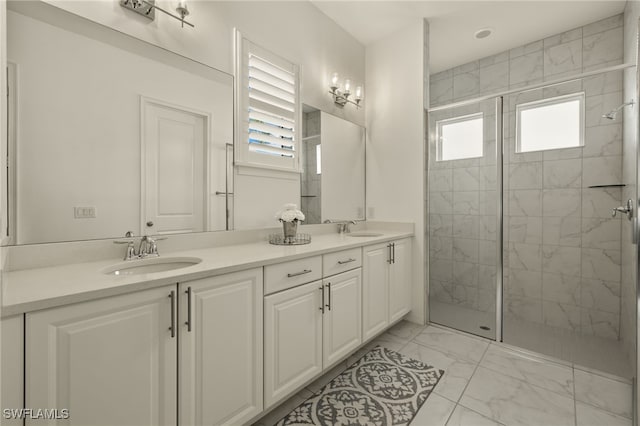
{"points": [[290, 274], [341, 261]]}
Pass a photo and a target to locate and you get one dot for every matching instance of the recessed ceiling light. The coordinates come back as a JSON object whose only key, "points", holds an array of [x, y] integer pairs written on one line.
{"points": [[483, 33]]}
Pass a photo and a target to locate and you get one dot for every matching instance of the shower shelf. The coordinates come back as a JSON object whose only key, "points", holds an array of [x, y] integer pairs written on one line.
{"points": [[615, 185]]}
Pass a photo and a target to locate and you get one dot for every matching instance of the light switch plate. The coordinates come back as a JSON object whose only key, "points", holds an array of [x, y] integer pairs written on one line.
{"points": [[84, 212]]}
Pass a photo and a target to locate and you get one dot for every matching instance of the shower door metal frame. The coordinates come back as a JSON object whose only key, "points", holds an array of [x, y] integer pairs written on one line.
{"points": [[636, 236], [500, 216]]}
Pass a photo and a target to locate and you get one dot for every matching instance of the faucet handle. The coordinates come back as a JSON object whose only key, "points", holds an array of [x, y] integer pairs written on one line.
{"points": [[131, 250], [152, 246]]}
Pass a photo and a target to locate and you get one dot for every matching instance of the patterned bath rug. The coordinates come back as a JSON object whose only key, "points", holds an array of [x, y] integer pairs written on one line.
{"points": [[382, 388]]}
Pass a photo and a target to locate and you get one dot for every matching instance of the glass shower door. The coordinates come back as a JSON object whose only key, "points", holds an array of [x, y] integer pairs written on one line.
{"points": [[463, 216]]}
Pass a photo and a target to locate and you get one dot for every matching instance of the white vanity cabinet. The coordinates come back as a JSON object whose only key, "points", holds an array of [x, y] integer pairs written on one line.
{"points": [[111, 361], [310, 327], [114, 361], [221, 349], [386, 285]]}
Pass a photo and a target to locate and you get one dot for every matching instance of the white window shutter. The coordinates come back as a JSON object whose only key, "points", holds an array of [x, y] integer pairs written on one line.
{"points": [[268, 109]]}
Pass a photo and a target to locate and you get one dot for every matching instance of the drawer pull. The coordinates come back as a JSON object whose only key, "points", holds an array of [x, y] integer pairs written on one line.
{"points": [[321, 288], [342, 262], [306, 271]]}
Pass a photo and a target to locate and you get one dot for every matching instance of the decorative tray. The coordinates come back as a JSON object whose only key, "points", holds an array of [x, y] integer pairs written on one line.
{"points": [[280, 240]]}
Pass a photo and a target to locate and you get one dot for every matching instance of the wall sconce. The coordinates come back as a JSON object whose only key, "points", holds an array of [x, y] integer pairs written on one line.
{"points": [[341, 94], [147, 8]]}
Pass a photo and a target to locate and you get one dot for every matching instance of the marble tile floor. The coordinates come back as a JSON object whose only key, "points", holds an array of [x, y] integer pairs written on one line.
{"points": [[594, 352], [488, 383]]}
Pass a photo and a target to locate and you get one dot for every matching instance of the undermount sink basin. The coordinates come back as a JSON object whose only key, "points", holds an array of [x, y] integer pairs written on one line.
{"points": [[147, 266], [365, 234]]}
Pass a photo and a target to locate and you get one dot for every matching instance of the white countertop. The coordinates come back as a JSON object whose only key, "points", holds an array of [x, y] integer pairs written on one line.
{"points": [[40, 288]]}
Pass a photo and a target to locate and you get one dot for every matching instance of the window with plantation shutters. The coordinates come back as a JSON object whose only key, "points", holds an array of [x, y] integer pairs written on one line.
{"points": [[268, 109]]}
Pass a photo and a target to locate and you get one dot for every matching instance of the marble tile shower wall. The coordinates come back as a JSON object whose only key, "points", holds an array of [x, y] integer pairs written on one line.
{"points": [[562, 248]]}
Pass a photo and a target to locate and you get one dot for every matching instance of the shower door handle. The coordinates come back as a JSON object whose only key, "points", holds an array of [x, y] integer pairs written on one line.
{"points": [[627, 210]]}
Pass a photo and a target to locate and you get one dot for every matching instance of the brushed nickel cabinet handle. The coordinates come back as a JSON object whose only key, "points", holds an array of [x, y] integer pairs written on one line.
{"points": [[321, 288], [295, 274], [342, 262], [393, 250], [188, 322], [389, 261], [329, 304], [172, 328]]}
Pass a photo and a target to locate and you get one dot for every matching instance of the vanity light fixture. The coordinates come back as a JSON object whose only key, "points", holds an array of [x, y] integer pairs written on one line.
{"points": [[341, 93], [147, 8]]}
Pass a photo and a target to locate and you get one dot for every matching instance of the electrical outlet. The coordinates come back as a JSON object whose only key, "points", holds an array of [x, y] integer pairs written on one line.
{"points": [[84, 212]]}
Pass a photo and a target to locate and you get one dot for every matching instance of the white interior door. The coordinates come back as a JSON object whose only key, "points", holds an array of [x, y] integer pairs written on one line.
{"points": [[174, 180]]}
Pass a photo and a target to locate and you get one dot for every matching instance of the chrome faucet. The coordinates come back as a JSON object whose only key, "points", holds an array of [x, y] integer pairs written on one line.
{"points": [[147, 247], [343, 225]]}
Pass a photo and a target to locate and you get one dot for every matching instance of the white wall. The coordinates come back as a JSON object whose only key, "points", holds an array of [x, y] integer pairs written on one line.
{"points": [[296, 31], [396, 72]]}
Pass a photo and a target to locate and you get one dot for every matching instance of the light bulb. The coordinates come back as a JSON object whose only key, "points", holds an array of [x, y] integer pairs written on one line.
{"points": [[359, 93], [334, 80], [347, 86]]}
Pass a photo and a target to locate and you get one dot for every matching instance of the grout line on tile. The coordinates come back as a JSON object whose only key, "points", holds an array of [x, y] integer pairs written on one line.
{"points": [[450, 414], [575, 404], [472, 374], [602, 374]]}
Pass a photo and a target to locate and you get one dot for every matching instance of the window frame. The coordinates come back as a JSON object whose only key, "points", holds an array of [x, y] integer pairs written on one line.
{"points": [[254, 163], [453, 120], [580, 96]]}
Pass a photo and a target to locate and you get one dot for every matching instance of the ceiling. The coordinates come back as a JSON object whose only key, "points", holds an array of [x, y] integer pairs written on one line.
{"points": [[452, 23]]}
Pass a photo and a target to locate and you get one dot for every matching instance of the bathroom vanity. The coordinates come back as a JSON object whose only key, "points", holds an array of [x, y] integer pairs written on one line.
{"points": [[220, 341]]}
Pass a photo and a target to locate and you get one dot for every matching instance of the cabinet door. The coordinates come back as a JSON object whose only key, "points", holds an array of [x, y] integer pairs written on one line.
{"points": [[221, 349], [375, 290], [342, 321], [292, 339], [109, 362], [400, 282], [12, 372]]}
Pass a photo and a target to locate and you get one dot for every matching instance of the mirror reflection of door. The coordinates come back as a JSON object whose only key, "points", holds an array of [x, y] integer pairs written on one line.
{"points": [[174, 183]]}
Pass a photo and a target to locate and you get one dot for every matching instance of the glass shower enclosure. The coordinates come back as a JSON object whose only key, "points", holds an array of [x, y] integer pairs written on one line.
{"points": [[523, 247]]}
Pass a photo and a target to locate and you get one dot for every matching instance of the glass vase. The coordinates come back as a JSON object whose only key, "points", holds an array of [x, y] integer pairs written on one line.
{"points": [[290, 231]]}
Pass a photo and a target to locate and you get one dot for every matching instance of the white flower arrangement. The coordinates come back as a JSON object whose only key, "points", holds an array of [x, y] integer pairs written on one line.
{"points": [[290, 213]]}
